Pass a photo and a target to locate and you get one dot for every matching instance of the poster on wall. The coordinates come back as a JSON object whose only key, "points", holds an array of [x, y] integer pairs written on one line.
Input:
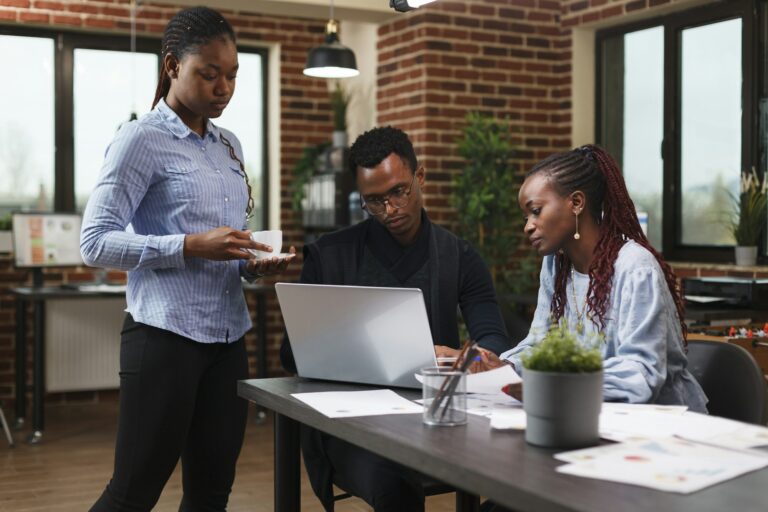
{"points": [[46, 239]]}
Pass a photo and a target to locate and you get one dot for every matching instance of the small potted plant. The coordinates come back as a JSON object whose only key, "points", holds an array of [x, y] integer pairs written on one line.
{"points": [[748, 218], [562, 390]]}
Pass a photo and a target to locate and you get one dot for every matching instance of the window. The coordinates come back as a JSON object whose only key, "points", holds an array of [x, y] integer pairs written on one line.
{"points": [[108, 86], [674, 100], [26, 133], [83, 92]]}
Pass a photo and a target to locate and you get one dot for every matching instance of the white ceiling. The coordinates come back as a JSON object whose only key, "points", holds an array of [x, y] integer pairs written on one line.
{"points": [[374, 11]]}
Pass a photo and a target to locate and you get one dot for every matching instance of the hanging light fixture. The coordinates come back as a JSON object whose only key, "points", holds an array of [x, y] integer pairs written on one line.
{"points": [[408, 5], [331, 59]]}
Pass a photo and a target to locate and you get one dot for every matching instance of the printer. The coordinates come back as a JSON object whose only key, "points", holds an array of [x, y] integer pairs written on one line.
{"points": [[726, 292]]}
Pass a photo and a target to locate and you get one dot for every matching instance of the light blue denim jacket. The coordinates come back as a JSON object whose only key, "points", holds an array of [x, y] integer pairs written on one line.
{"points": [[644, 359]]}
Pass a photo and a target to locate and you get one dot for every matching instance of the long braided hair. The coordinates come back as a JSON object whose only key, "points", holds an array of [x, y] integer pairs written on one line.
{"points": [[185, 33], [593, 171]]}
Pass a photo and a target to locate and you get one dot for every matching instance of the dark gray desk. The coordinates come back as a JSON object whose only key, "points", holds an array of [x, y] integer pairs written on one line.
{"points": [[37, 297], [495, 464]]}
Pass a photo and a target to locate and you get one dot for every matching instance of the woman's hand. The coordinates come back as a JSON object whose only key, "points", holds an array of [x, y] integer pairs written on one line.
{"points": [[222, 243], [487, 361], [270, 266]]}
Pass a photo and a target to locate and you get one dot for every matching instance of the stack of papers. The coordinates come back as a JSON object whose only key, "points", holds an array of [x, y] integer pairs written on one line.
{"points": [[667, 464]]}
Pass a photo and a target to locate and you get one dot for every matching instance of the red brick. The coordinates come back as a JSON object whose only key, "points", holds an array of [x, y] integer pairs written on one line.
{"points": [[51, 6], [34, 17], [67, 20], [609, 12], [99, 23], [8, 15], [24, 4], [636, 5], [88, 9]]}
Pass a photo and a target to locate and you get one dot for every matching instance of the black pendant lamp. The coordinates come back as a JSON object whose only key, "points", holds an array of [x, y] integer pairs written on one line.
{"points": [[331, 59]]}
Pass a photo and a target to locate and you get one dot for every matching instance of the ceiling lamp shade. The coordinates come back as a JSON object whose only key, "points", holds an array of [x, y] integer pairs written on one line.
{"points": [[331, 59], [408, 5]]}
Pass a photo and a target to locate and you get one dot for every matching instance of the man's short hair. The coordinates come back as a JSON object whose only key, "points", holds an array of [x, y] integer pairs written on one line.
{"points": [[372, 147]]}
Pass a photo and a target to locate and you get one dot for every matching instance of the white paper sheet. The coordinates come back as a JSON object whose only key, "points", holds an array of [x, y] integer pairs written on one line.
{"points": [[489, 382], [487, 404], [622, 425], [508, 419], [347, 404], [666, 464]]}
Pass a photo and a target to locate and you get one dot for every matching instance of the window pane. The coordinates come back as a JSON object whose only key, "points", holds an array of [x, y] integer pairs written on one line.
{"points": [[108, 87], [27, 131], [711, 78], [244, 116], [644, 124]]}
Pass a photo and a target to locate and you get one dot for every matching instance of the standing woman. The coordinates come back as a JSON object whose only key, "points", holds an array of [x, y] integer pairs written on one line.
{"points": [[602, 275], [179, 181]]}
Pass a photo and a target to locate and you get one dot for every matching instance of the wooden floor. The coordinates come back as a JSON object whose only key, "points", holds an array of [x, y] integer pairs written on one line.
{"points": [[69, 469]]}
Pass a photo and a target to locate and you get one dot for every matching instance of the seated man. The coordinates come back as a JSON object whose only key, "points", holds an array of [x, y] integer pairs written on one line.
{"points": [[397, 247]]}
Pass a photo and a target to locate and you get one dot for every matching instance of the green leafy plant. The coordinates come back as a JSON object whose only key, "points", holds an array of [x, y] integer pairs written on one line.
{"points": [[339, 103], [485, 198], [302, 171], [749, 214], [6, 223], [560, 351]]}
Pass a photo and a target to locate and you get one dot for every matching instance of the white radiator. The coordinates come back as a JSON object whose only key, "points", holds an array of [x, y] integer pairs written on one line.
{"points": [[82, 343]]}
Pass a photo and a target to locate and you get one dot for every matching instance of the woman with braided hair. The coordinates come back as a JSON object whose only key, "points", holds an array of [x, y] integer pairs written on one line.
{"points": [[179, 181], [602, 275]]}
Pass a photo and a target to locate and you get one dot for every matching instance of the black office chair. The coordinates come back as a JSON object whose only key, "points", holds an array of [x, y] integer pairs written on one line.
{"points": [[731, 379], [464, 502]]}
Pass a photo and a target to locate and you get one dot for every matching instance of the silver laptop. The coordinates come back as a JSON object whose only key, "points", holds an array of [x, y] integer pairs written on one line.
{"points": [[359, 334]]}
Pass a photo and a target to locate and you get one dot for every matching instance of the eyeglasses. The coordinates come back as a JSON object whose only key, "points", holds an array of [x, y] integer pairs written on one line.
{"points": [[398, 198]]}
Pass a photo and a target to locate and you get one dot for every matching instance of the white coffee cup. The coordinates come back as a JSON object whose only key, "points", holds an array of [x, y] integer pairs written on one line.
{"points": [[273, 238]]}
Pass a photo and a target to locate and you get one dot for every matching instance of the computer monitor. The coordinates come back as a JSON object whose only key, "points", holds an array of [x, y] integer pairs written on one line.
{"points": [[46, 239]]}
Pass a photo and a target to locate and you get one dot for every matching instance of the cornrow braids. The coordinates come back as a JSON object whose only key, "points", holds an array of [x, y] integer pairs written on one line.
{"points": [[593, 171], [185, 33], [233, 156]]}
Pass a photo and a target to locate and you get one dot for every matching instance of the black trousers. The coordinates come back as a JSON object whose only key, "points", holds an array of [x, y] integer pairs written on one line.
{"points": [[384, 485], [178, 398]]}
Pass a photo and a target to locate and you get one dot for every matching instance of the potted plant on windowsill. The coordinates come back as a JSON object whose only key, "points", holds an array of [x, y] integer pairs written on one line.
{"points": [[6, 244], [562, 390], [748, 218]]}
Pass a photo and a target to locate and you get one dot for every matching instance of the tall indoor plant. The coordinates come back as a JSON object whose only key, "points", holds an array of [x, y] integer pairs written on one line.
{"points": [[485, 199], [562, 390], [748, 218]]}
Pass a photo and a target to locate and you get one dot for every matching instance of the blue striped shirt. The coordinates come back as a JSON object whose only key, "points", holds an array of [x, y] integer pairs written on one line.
{"points": [[165, 180]]}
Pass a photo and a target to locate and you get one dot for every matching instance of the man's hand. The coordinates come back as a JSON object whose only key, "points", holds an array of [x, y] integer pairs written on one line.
{"points": [[222, 243], [270, 266]]}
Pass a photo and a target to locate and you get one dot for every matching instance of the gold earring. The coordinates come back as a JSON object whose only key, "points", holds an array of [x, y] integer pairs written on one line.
{"points": [[576, 235]]}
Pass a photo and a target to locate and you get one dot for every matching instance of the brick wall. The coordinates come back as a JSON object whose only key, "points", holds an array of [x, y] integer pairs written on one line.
{"points": [[508, 58], [305, 119]]}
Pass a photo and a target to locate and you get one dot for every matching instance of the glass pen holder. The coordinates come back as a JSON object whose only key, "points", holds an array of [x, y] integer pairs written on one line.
{"points": [[444, 392]]}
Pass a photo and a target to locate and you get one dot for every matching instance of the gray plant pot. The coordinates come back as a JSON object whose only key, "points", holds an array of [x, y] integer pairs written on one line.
{"points": [[746, 255], [562, 409]]}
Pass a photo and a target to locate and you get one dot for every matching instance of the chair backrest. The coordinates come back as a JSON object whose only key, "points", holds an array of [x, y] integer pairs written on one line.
{"points": [[731, 379]]}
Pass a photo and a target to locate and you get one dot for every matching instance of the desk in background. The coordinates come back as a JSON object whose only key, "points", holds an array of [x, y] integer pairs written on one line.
{"points": [[498, 465], [38, 296]]}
